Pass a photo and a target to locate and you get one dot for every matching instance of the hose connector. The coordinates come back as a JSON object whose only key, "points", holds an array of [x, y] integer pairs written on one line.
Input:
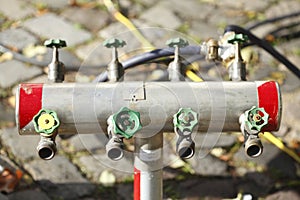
{"points": [[46, 123], [185, 147], [253, 146], [185, 120], [123, 124], [252, 121], [46, 148], [114, 148]]}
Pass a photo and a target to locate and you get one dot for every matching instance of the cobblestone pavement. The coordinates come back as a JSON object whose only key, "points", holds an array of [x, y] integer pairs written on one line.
{"points": [[81, 169]]}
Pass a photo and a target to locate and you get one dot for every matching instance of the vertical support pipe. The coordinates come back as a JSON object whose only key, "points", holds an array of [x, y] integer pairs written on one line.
{"points": [[148, 164]]}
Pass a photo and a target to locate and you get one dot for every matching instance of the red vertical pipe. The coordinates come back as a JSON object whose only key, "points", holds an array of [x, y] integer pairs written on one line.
{"points": [[137, 184]]}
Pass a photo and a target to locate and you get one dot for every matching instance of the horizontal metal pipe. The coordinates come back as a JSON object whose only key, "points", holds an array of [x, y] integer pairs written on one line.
{"points": [[85, 108]]}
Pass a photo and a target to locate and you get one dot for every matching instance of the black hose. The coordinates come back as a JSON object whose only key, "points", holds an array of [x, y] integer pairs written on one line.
{"points": [[266, 46], [276, 33], [275, 19], [290, 36], [152, 55], [20, 57], [44, 63]]}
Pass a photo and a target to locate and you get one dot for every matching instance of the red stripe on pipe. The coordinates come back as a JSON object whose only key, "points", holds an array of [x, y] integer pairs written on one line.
{"points": [[137, 184], [268, 98], [30, 102]]}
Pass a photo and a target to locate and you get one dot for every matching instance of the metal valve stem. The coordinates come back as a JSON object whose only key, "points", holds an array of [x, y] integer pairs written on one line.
{"points": [[175, 68], [56, 73]]}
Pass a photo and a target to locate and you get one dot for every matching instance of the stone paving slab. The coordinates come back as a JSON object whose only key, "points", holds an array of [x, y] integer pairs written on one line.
{"points": [[254, 5], [15, 9], [272, 159], [125, 191], [90, 142], [94, 53], [190, 10], [28, 195], [208, 165], [285, 194], [3, 197], [290, 112], [83, 17], [95, 164], [23, 147], [7, 114], [203, 30], [118, 30], [282, 7], [17, 38], [167, 18], [214, 140], [229, 16], [59, 178], [194, 188], [53, 26], [53, 4], [157, 36], [13, 72]]}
